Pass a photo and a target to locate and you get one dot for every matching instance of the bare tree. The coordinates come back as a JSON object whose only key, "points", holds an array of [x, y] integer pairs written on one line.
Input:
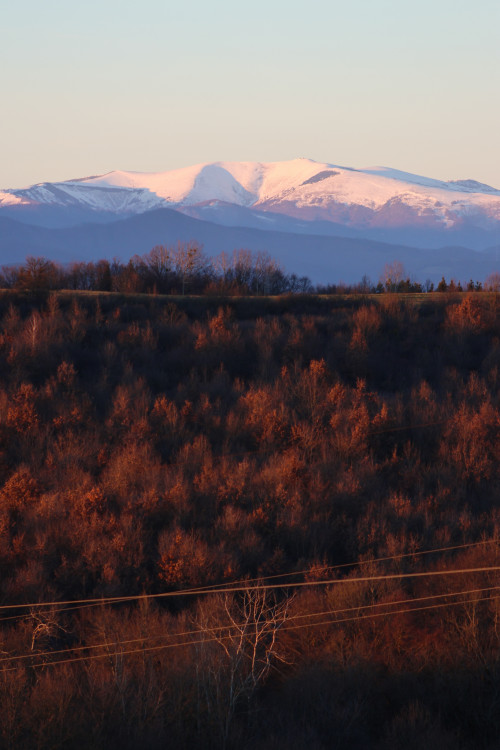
{"points": [[237, 651], [492, 282], [392, 275], [45, 628], [189, 261], [159, 265]]}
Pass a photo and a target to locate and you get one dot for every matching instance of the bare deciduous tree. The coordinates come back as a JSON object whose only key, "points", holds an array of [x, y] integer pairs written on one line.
{"points": [[236, 652], [392, 275]]}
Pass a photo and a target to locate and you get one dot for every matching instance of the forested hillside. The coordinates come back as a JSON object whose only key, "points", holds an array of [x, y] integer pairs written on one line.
{"points": [[333, 462]]}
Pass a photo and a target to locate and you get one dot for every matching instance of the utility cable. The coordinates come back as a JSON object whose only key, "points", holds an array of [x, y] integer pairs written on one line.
{"points": [[228, 637], [357, 608], [231, 587]]}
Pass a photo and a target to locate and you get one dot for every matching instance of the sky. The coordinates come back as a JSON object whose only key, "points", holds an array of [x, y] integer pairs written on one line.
{"points": [[90, 87]]}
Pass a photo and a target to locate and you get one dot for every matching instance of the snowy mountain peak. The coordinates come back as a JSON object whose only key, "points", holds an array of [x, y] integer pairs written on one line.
{"points": [[474, 186], [301, 189]]}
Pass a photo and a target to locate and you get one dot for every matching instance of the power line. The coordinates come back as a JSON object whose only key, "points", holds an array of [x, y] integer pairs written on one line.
{"points": [[318, 569], [268, 587], [235, 587], [229, 627], [228, 637]]}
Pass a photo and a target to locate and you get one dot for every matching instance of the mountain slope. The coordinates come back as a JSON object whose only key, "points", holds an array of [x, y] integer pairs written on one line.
{"points": [[322, 220], [374, 202], [323, 259]]}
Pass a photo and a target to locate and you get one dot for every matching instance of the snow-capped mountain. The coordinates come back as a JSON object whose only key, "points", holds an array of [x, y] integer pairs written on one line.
{"points": [[323, 220], [376, 198]]}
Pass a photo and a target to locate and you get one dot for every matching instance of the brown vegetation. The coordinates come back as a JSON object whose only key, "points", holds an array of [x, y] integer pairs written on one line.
{"points": [[150, 446]]}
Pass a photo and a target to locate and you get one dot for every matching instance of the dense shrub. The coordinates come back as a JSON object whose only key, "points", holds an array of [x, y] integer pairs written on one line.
{"points": [[149, 445]]}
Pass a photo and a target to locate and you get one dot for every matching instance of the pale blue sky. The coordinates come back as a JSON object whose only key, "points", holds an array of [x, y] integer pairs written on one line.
{"points": [[114, 84]]}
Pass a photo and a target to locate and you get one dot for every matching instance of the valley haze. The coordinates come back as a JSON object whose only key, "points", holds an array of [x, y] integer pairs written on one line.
{"points": [[322, 220]]}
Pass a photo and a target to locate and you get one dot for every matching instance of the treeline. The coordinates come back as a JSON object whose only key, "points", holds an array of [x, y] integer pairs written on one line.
{"points": [[148, 447], [184, 269], [395, 280]]}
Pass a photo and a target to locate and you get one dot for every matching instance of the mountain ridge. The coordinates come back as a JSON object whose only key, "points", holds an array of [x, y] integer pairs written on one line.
{"points": [[303, 212], [297, 186], [325, 259]]}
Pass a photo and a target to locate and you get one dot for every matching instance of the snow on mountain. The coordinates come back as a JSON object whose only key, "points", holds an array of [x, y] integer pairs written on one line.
{"points": [[265, 184], [96, 197], [474, 187], [10, 199], [242, 183], [374, 197]]}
